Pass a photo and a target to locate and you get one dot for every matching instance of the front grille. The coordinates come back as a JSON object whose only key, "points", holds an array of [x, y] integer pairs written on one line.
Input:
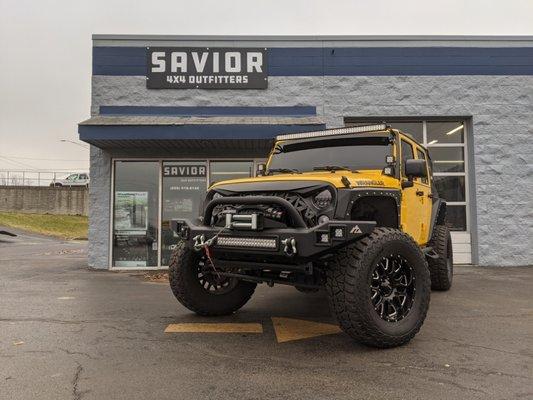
{"points": [[306, 211], [269, 211]]}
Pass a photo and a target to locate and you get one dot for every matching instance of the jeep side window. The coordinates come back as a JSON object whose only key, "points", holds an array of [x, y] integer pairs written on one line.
{"points": [[407, 153], [422, 156]]}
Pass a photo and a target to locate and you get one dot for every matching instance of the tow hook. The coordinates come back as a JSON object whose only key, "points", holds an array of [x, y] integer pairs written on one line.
{"points": [[289, 246], [198, 242]]}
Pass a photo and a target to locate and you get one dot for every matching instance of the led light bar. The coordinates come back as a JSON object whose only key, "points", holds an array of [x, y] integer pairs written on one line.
{"points": [[260, 243], [333, 132]]}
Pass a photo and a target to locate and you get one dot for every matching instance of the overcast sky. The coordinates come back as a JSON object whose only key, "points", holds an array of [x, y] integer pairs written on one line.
{"points": [[45, 49]]}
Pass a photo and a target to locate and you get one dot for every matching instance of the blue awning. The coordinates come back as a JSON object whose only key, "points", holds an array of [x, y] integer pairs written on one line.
{"points": [[106, 131]]}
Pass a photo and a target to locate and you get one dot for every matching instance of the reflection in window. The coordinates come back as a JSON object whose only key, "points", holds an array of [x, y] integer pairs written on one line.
{"points": [[450, 188], [225, 170], [456, 217], [448, 159], [135, 214], [445, 132], [414, 129], [184, 187]]}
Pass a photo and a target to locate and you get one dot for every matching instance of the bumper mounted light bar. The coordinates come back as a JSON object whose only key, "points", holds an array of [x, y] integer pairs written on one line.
{"points": [[247, 242], [333, 132]]}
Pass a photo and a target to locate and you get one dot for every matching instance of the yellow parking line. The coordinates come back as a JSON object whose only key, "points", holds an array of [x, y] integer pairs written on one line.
{"points": [[215, 328], [289, 329]]}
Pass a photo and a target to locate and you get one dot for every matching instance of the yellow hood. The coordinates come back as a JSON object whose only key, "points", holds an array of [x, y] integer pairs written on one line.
{"points": [[365, 178]]}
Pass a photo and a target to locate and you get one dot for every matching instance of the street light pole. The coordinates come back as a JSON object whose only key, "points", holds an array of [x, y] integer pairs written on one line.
{"points": [[73, 142]]}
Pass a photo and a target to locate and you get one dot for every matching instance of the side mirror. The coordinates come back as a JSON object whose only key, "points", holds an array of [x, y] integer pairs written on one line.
{"points": [[261, 168], [415, 168]]}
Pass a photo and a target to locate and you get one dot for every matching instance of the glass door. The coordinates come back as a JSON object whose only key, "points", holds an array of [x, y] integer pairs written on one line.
{"points": [[184, 184], [135, 214]]}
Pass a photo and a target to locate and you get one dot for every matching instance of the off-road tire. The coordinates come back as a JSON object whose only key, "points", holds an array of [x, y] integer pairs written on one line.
{"points": [[441, 269], [348, 284], [183, 278]]}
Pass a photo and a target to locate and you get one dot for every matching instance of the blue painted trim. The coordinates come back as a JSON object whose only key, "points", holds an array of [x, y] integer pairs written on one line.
{"points": [[361, 61], [293, 111], [90, 133]]}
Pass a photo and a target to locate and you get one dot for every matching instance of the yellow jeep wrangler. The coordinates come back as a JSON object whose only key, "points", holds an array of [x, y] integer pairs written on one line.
{"points": [[352, 210]]}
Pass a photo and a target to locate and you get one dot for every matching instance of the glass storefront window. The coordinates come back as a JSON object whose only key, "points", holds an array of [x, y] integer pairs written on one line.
{"points": [[224, 170], [456, 217], [184, 187], [445, 132], [447, 159], [414, 129], [136, 200], [450, 188]]}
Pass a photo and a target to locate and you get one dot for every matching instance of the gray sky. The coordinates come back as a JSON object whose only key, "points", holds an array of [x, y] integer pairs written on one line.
{"points": [[45, 49]]}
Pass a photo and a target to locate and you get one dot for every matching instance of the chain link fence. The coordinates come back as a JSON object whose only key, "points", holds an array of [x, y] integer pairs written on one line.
{"points": [[34, 178]]}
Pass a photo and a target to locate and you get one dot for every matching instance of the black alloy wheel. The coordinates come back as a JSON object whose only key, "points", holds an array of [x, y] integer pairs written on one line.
{"points": [[392, 288], [211, 281]]}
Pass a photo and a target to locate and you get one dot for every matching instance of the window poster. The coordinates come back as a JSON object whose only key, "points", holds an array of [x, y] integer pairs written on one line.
{"points": [[131, 212]]}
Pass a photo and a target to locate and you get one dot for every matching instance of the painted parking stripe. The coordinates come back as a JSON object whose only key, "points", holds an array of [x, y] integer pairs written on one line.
{"points": [[215, 328], [289, 329]]}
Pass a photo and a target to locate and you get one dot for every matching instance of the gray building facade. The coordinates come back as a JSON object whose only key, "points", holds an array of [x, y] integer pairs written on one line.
{"points": [[155, 150]]}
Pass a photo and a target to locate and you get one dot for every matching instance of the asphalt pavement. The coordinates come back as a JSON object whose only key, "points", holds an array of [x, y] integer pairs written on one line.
{"points": [[68, 332]]}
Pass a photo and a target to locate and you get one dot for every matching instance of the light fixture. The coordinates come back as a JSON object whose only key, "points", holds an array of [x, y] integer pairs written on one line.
{"points": [[333, 132], [432, 142], [455, 130], [249, 242], [322, 199]]}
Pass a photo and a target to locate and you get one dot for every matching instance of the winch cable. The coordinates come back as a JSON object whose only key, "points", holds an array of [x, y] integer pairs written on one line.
{"points": [[207, 250]]}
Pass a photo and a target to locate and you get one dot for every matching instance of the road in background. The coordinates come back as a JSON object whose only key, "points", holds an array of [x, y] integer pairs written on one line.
{"points": [[69, 332]]}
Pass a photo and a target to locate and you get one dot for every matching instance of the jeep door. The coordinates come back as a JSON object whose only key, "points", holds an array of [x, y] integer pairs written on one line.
{"points": [[423, 186], [416, 205]]}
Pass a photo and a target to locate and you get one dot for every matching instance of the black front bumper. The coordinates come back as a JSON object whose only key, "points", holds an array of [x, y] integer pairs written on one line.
{"points": [[293, 243]]}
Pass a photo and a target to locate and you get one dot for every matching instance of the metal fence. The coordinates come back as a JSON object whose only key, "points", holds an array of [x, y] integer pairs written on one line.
{"points": [[33, 178]]}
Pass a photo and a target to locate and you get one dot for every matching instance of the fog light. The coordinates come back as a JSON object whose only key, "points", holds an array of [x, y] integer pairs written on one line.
{"points": [[338, 233], [324, 238], [388, 171]]}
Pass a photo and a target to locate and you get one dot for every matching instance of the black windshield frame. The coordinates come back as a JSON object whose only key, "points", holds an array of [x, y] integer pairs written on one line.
{"points": [[345, 151]]}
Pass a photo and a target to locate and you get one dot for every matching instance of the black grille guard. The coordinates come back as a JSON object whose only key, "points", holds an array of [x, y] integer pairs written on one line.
{"points": [[297, 243], [297, 220]]}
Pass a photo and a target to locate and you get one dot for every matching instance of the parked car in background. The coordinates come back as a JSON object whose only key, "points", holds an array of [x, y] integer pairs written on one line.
{"points": [[73, 180]]}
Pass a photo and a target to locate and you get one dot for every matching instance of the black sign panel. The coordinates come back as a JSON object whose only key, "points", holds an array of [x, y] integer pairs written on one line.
{"points": [[185, 170], [206, 68]]}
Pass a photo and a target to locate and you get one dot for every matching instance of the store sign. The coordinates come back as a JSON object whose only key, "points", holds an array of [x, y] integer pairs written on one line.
{"points": [[188, 171], [206, 68]]}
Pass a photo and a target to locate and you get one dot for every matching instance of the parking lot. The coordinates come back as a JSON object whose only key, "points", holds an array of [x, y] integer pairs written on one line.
{"points": [[67, 332]]}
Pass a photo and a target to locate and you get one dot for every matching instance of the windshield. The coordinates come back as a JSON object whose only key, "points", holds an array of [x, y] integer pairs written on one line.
{"points": [[354, 153]]}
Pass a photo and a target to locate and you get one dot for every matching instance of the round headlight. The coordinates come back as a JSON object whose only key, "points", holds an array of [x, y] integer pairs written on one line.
{"points": [[323, 199]]}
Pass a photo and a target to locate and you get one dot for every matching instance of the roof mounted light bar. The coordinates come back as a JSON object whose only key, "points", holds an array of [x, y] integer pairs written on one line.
{"points": [[333, 132]]}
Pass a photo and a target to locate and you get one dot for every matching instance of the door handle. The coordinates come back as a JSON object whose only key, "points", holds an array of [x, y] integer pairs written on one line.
{"points": [[419, 193]]}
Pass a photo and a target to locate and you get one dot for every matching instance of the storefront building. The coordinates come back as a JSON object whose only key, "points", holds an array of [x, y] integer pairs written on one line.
{"points": [[170, 115]]}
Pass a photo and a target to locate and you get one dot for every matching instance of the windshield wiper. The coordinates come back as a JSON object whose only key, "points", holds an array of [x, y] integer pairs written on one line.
{"points": [[333, 168], [284, 170]]}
